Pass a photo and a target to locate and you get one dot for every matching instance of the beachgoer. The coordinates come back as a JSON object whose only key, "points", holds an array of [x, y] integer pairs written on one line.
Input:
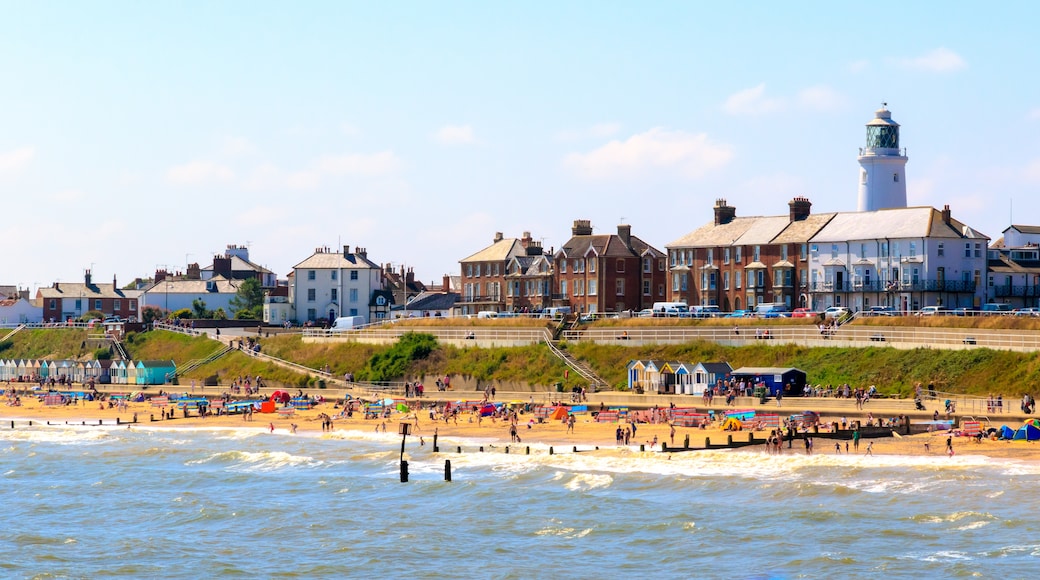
{"points": [[672, 433], [837, 448], [949, 446], [870, 448], [272, 427]]}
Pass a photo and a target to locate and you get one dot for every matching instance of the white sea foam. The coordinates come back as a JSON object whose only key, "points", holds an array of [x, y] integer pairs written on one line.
{"points": [[257, 461], [588, 481], [63, 435]]}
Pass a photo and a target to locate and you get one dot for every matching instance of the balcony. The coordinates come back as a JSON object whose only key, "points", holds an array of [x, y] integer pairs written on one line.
{"points": [[1015, 291], [879, 286], [481, 299]]}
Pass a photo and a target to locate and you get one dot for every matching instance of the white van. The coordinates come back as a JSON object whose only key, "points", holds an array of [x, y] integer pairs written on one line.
{"points": [[487, 314], [347, 323], [680, 309], [556, 312]]}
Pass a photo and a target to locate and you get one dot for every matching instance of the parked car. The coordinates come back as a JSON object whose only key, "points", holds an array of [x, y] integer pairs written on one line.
{"points": [[932, 311], [645, 313], [880, 311], [737, 314], [802, 313], [996, 308], [1032, 311], [835, 312], [709, 311]]}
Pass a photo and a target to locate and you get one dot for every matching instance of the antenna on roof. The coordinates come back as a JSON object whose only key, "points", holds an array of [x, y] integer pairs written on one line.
{"points": [[621, 220]]}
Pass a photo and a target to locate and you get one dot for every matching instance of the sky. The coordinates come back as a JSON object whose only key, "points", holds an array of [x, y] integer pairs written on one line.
{"points": [[144, 135]]}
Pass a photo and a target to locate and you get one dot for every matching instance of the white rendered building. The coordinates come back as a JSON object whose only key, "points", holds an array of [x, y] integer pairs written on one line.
{"points": [[330, 284]]}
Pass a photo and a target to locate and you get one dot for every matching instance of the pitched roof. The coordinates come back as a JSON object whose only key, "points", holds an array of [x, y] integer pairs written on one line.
{"points": [[607, 245], [710, 235], [215, 285], [499, 251], [433, 301], [79, 289], [1024, 229], [798, 232], [895, 223], [335, 261], [718, 368], [240, 265]]}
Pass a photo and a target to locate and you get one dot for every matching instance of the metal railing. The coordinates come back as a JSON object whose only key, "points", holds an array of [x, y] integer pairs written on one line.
{"points": [[893, 286], [489, 333], [904, 337]]}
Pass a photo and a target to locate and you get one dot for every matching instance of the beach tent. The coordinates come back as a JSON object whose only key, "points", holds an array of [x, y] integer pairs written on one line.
{"points": [[280, 397], [1006, 432], [402, 407], [731, 424], [1027, 432], [558, 414]]}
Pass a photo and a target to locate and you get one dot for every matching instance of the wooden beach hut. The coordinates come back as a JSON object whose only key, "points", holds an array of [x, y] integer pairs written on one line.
{"points": [[155, 372], [131, 373], [775, 379], [636, 368], [708, 374]]}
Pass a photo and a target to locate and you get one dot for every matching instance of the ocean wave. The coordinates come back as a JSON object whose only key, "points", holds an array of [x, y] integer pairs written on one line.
{"points": [[589, 481], [257, 461], [57, 435]]}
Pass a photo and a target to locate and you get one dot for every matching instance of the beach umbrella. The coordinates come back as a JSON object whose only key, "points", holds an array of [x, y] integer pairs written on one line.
{"points": [[387, 401]]}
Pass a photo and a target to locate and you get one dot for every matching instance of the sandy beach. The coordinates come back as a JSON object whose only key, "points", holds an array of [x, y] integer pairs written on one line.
{"points": [[587, 433]]}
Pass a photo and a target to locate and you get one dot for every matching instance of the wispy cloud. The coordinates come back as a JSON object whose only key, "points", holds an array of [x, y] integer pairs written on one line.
{"points": [[11, 161], [689, 155], [455, 135], [821, 98], [752, 101], [237, 147], [198, 172], [358, 164], [596, 131], [940, 60]]}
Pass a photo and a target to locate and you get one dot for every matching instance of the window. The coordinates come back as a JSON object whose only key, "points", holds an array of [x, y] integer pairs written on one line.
{"points": [[353, 312], [660, 264], [758, 253], [660, 289], [913, 249], [335, 274], [895, 177], [815, 251], [79, 304], [803, 252], [777, 277], [579, 266], [941, 250], [761, 278], [801, 277], [579, 288], [967, 249], [592, 265], [671, 256], [353, 274], [711, 256], [675, 282], [53, 304], [736, 279], [563, 287], [335, 295], [978, 250], [783, 252], [97, 305], [311, 294], [884, 249], [496, 269], [563, 266], [117, 305], [469, 270], [620, 266], [737, 259], [834, 250], [684, 282], [862, 250], [620, 287], [725, 255], [592, 287], [713, 280], [646, 288], [310, 274], [133, 305], [725, 280], [312, 314], [648, 265]]}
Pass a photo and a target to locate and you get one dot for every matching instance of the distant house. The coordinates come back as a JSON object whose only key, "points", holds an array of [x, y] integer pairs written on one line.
{"points": [[235, 265], [19, 311], [1013, 267], [65, 300], [429, 305], [169, 294], [331, 284], [500, 277], [608, 272]]}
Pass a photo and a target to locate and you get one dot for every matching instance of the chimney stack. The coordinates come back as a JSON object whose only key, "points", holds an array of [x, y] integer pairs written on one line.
{"points": [[946, 214], [724, 213], [581, 228], [625, 233], [115, 287], [800, 208], [498, 237], [346, 251], [446, 284], [86, 277]]}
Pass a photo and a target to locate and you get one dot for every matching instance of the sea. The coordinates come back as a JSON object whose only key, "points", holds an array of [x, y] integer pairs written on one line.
{"points": [[112, 502]]}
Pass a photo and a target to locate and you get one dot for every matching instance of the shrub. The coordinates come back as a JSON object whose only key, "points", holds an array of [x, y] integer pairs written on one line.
{"points": [[103, 354], [393, 363]]}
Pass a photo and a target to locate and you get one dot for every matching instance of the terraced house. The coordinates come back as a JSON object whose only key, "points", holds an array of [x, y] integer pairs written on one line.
{"points": [[608, 272], [510, 275]]}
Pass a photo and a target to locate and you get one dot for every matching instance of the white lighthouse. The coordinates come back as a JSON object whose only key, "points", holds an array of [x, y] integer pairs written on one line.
{"points": [[882, 174]]}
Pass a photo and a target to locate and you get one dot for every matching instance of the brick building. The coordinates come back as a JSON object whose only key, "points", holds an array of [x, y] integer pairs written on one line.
{"points": [[65, 300]]}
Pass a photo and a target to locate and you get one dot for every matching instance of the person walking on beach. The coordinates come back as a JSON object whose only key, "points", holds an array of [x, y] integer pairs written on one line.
{"points": [[671, 434], [272, 427], [570, 424], [837, 448], [870, 449], [949, 446], [855, 440]]}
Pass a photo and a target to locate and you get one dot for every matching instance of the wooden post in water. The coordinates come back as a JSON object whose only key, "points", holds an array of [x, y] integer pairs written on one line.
{"points": [[447, 470]]}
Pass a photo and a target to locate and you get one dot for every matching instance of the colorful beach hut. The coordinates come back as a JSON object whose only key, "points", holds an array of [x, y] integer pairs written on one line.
{"points": [[788, 379], [707, 374], [155, 372]]}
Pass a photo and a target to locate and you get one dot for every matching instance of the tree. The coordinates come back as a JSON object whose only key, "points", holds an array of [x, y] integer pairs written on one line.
{"points": [[198, 308], [249, 300]]}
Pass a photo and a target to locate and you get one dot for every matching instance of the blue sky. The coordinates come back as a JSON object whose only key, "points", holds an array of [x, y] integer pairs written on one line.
{"points": [[137, 135]]}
